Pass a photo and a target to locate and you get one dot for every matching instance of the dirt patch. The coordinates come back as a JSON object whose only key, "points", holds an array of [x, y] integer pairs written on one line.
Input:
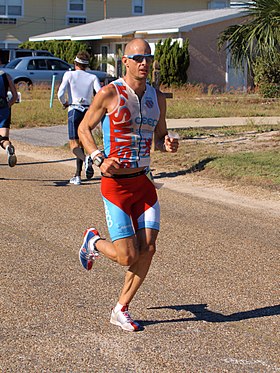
{"points": [[187, 171]]}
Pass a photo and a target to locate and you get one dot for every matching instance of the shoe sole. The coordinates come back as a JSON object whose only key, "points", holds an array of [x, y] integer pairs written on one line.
{"points": [[112, 321], [12, 160], [89, 173]]}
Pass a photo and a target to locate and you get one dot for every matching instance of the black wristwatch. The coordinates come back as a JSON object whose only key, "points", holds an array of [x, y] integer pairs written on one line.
{"points": [[98, 161]]}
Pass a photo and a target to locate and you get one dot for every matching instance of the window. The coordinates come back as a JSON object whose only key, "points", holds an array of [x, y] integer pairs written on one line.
{"points": [[218, 4], [76, 5], [23, 54], [57, 65], [138, 7], [13, 63], [8, 21], [76, 20], [37, 65], [11, 8]]}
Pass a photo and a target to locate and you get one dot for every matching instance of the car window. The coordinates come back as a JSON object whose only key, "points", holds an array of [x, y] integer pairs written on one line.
{"points": [[41, 64], [57, 65], [23, 53], [31, 65], [43, 53], [13, 63], [37, 65]]}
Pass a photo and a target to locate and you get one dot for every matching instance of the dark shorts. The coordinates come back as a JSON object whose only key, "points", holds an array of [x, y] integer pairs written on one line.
{"points": [[74, 119], [5, 118]]}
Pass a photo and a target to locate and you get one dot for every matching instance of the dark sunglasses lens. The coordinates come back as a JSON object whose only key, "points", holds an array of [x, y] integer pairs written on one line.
{"points": [[139, 58]]}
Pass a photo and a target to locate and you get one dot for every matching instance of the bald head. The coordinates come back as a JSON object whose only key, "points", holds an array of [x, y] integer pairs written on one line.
{"points": [[137, 46]]}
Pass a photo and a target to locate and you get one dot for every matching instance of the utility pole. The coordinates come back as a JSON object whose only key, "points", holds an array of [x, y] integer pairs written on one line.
{"points": [[105, 9]]}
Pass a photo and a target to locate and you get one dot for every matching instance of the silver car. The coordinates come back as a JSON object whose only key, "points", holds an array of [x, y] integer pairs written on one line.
{"points": [[27, 71]]}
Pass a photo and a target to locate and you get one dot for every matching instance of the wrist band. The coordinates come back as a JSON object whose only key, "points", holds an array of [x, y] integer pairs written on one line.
{"points": [[95, 153]]}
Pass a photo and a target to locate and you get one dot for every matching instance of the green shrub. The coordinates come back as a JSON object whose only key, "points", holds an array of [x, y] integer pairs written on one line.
{"points": [[66, 49], [269, 90], [174, 62], [267, 76]]}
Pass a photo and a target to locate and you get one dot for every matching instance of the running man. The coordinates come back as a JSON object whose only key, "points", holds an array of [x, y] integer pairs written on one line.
{"points": [[80, 87], [6, 84], [131, 111]]}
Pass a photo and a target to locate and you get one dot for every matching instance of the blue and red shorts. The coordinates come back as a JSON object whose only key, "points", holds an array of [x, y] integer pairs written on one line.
{"points": [[130, 204]]}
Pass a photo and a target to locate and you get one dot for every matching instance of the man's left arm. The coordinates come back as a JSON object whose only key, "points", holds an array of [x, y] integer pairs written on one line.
{"points": [[163, 142], [62, 90]]}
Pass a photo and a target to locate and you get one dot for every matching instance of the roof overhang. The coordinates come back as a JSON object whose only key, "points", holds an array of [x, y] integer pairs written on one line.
{"points": [[158, 24], [159, 31]]}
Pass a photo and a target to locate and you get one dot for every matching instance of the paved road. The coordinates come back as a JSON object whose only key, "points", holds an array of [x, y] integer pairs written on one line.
{"points": [[57, 135], [210, 302]]}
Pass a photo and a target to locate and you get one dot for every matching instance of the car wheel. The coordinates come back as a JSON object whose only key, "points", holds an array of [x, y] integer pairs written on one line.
{"points": [[23, 85]]}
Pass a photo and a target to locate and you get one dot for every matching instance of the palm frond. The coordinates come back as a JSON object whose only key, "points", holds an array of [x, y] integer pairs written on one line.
{"points": [[258, 35]]}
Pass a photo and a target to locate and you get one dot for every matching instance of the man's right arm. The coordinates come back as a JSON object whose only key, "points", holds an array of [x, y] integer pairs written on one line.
{"points": [[103, 102], [98, 108]]}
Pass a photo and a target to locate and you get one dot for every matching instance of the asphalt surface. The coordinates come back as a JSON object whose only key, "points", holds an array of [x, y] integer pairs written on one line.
{"points": [[210, 302]]}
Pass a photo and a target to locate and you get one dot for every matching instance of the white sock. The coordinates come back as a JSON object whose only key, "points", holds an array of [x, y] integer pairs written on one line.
{"points": [[118, 307], [92, 243]]}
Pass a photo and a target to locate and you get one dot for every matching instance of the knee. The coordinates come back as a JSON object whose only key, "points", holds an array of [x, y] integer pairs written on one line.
{"points": [[129, 259], [3, 140], [151, 250], [148, 251]]}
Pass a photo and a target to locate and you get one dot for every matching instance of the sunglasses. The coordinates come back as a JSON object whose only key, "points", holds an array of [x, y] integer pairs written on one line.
{"points": [[139, 58]]}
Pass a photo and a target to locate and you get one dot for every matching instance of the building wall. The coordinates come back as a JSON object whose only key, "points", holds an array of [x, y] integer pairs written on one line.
{"points": [[207, 64], [46, 16], [123, 8], [40, 17]]}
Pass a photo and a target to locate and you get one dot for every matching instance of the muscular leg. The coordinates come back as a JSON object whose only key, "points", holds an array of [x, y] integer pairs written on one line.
{"points": [[137, 272], [78, 151], [137, 254], [123, 251], [5, 133], [6, 144]]}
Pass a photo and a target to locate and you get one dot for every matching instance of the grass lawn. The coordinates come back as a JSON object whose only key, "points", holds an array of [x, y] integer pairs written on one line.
{"points": [[189, 102], [216, 152]]}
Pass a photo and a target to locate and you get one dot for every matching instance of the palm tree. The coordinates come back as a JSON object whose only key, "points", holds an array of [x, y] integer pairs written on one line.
{"points": [[258, 35]]}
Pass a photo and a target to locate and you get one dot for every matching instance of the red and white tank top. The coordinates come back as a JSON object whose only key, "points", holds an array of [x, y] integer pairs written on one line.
{"points": [[128, 129]]}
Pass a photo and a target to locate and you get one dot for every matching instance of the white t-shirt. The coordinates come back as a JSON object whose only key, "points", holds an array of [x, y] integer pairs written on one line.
{"points": [[79, 86]]}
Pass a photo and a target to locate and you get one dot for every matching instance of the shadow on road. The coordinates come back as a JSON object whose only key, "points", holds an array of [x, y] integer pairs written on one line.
{"points": [[200, 166], [41, 162], [57, 183], [201, 313]]}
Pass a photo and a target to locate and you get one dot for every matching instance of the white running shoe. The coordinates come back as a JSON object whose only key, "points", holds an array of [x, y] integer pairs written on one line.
{"points": [[123, 319], [76, 180], [86, 254]]}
